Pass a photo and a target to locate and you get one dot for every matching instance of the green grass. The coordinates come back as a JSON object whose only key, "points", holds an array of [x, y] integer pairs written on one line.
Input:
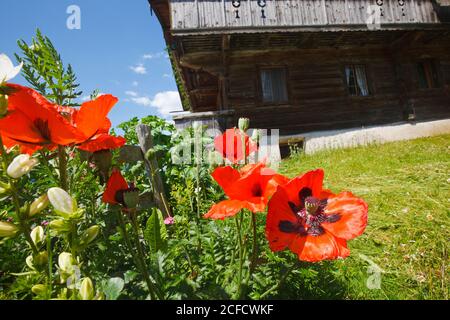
{"points": [[407, 187]]}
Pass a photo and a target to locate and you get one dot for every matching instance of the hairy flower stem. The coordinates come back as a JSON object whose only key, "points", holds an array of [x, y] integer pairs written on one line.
{"points": [[62, 162], [241, 257], [255, 244], [151, 286], [126, 237], [244, 148]]}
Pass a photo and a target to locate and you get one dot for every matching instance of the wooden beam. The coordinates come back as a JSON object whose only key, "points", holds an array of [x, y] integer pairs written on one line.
{"points": [[223, 79]]}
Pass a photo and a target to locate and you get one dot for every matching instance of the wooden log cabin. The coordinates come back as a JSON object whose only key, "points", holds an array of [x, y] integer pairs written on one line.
{"points": [[309, 65]]}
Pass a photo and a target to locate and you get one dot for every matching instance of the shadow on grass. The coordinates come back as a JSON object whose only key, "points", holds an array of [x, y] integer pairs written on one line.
{"points": [[313, 281]]}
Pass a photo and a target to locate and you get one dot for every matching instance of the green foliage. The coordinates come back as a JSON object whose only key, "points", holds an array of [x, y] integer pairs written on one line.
{"points": [[112, 288], [179, 81], [44, 70], [155, 231]]}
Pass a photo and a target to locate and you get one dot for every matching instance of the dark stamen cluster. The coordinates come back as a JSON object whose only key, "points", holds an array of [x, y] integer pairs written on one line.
{"points": [[310, 215]]}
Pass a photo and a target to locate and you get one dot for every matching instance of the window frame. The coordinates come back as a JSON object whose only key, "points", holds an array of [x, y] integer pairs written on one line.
{"points": [[437, 68], [260, 85], [370, 88]]}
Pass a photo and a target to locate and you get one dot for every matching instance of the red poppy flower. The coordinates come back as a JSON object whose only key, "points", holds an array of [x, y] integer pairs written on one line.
{"points": [[314, 223], [91, 120], [229, 145], [249, 188], [34, 123], [116, 188]]}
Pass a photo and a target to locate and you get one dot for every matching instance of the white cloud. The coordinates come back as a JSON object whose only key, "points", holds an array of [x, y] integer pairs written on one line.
{"points": [[166, 102], [156, 55], [167, 75], [142, 101], [131, 93], [139, 69], [135, 84]]}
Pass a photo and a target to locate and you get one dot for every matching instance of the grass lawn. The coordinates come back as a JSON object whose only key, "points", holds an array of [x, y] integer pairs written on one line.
{"points": [[407, 187]]}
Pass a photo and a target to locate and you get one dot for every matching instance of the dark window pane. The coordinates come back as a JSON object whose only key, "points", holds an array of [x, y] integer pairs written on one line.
{"points": [[274, 85], [356, 80], [423, 83], [428, 74]]}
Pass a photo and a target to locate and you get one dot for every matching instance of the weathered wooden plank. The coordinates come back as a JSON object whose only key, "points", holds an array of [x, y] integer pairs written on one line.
{"points": [[145, 138], [219, 14]]}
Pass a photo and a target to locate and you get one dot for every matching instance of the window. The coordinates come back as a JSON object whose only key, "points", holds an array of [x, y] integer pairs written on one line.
{"points": [[356, 78], [428, 75], [274, 89]]}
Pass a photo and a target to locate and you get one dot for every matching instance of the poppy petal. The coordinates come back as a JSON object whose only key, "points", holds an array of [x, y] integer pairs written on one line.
{"points": [[229, 145], [38, 109], [318, 248], [92, 114], [311, 181], [102, 142], [115, 183], [349, 216], [17, 126], [225, 177], [256, 204], [278, 212], [224, 209]]}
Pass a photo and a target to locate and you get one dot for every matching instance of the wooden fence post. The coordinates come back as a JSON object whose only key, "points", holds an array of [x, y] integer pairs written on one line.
{"points": [[146, 142]]}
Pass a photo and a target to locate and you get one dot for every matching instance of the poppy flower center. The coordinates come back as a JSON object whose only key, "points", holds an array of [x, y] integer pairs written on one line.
{"points": [[43, 128], [257, 190], [120, 196], [309, 215]]}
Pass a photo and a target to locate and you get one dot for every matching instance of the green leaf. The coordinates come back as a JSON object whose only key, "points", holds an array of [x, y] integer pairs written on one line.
{"points": [[113, 287], [155, 231], [130, 275]]}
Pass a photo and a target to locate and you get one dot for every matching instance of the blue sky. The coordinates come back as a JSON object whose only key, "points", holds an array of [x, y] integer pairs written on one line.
{"points": [[118, 50]]}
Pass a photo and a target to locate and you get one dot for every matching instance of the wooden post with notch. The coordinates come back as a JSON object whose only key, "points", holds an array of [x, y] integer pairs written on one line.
{"points": [[145, 138]]}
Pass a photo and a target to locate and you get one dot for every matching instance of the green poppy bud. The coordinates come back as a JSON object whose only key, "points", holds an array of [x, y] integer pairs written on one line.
{"points": [[39, 289], [87, 289], [103, 160], [150, 154], [244, 124], [8, 230], [131, 198]]}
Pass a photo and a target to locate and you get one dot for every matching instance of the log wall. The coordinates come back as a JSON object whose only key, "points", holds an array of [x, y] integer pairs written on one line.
{"points": [[318, 95]]}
